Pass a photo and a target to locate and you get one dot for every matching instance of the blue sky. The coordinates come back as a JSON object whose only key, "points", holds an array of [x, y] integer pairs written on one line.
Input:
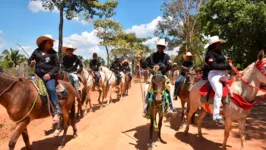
{"points": [[22, 21]]}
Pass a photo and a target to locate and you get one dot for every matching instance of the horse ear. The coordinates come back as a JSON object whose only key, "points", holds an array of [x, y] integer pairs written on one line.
{"points": [[261, 55]]}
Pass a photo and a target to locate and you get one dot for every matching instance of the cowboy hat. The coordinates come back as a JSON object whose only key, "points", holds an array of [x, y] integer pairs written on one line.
{"points": [[187, 55], [162, 42], [68, 47], [44, 38], [212, 40]]}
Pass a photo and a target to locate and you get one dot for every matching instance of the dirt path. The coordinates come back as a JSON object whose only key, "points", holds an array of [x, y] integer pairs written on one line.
{"points": [[120, 126]]}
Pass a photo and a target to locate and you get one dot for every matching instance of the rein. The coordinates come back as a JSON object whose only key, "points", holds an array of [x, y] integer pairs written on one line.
{"points": [[9, 87], [258, 66]]}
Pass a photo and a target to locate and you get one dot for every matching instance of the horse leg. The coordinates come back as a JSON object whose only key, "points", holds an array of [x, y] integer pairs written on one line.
{"points": [[159, 132], [80, 104], [66, 120], [151, 133], [18, 131], [99, 98], [228, 123], [183, 113], [242, 129], [88, 100], [73, 120], [190, 114], [26, 140], [200, 119]]}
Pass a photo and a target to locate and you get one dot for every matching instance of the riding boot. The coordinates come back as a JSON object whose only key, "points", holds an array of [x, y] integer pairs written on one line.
{"points": [[56, 114]]}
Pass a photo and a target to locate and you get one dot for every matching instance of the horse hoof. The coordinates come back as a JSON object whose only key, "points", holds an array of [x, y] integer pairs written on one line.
{"points": [[186, 132], [75, 135], [61, 147], [161, 141], [150, 147]]}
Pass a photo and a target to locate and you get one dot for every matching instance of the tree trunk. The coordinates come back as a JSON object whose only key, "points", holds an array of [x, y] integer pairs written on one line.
{"points": [[107, 53], [61, 32]]}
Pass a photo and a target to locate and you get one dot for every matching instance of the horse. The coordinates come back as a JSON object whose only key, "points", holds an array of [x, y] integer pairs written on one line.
{"points": [[82, 84], [89, 76], [186, 84], [157, 106], [241, 91], [111, 82], [147, 75], [23, 103], [172, 75], [127, 81]]}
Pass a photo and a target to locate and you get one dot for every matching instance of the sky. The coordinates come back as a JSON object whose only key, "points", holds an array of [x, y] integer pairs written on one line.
{"points": [[23, 21]]}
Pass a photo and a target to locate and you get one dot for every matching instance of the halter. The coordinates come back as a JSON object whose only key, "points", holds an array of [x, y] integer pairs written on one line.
{"points": [[259, 66]]}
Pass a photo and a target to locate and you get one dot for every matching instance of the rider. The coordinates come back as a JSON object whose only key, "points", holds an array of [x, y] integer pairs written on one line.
{"points": [[46, 64], [217, 66], [95, 67], [159, 61], [116, 68], [72, 64], [126, 68], [187, 64]]}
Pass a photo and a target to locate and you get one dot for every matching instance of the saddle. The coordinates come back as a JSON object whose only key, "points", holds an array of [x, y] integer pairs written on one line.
{"points": [[40, 86], [207, 93]]}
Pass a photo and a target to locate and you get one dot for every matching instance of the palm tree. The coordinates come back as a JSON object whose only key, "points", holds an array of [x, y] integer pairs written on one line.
{"points": [[13, 56]]}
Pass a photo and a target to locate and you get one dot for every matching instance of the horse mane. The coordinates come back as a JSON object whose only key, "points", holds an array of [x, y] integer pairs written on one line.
{"points": [[105, 69]]}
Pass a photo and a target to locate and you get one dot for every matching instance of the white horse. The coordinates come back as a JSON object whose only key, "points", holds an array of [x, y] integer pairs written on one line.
{"points": [[110, 84], [90, 83], [247, 87]]}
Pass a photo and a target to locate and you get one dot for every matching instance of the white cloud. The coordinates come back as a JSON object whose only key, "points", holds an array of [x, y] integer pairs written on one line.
{"points": [[36, 6], [151, 42], [144, 30], [27, 49]]}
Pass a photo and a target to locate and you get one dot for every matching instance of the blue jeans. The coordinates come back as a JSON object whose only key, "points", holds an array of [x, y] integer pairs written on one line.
{"points": [[177, 84], [50, 85], [97, 77], [75, 81]]}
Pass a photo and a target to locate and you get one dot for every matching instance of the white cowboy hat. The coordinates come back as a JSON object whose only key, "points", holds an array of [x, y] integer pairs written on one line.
{"points": [[188, 54], [68, 47], [162, 42], [212, 40], [43, 38]]}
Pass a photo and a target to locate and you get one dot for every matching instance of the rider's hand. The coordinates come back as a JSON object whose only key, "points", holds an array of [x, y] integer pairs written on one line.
{"points": [[47, 77], [32, 63], [156, 67]]}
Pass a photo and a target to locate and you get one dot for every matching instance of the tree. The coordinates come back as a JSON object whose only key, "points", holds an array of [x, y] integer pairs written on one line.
{"points": [[180, 27], [128, 46], [106, 27], [240, 22], [12, 56], [71, 9]]}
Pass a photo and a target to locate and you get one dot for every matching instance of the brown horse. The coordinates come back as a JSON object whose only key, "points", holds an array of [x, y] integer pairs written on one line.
{"points": [[23, 104], [254, 75], [147, 75], [82, 94], [157, 106], [187, 83], [127, 82]]}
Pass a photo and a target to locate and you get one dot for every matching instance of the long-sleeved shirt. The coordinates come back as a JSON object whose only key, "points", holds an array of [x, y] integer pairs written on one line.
{"points": [[71, 64], [95, 64], [187, 64], [125, 68], [160, 59], [45, 62], [216, 61], [115, 66]]}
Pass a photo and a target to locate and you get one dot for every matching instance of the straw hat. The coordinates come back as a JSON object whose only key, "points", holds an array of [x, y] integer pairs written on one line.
{"points": [[44, 38], [162, 42], [212, 40], [187, 55], [68, 47]]}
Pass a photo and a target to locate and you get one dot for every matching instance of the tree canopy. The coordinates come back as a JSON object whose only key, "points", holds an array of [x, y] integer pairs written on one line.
{"points": [[240, 22]]}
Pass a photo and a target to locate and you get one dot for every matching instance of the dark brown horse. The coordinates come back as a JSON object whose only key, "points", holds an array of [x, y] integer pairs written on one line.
{"points": [[157, 106], [128, 82], [146, 75], [185, 86], [23, 104], [82, 95]]}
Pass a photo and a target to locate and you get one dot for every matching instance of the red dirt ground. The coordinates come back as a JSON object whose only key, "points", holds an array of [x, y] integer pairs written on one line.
{"points": [[120, 126]]}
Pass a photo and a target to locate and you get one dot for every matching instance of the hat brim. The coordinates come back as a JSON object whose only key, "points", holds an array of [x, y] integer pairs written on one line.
{"points": [[184, 56], [218, 41], [41, 39], [65, 48]]}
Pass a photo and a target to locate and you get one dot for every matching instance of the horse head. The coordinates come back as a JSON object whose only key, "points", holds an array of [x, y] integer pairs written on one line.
{"points": [[260, 64], [158, 86], [192, 76]]}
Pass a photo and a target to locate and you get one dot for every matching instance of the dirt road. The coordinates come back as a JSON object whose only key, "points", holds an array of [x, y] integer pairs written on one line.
{"points": [[120, 126]]}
